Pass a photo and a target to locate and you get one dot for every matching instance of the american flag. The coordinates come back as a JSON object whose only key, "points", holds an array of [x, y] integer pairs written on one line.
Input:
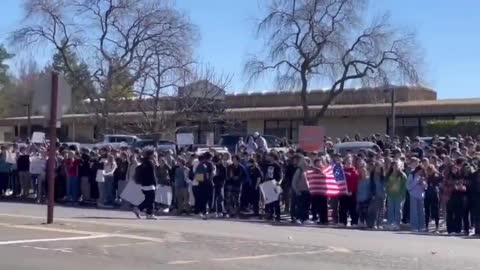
{"points": [[329, 182]]}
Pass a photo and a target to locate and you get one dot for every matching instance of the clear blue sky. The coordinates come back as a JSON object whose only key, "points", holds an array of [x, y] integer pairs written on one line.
{"points": [[448, 31]]}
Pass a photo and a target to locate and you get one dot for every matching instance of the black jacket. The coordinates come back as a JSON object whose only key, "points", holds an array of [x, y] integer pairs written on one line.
{"points": [[84, 169], [256, 176], [272, 171], [289, 172], [221, 176], [475, 184], [145, 174]]}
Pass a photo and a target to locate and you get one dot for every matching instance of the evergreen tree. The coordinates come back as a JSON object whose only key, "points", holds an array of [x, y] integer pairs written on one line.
{"points": [[77, 75], [4, 55]]}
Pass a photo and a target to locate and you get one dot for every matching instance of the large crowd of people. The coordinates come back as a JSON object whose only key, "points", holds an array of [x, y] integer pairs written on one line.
{"points": [[398, 182]]}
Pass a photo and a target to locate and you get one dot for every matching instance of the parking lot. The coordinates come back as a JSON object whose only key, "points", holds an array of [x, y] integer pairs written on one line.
{"points": [[30, 244], [103, 239]]}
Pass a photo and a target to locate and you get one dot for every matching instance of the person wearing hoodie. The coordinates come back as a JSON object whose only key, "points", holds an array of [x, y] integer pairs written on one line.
{"points": [[145, 176], [272, 171], [475, 190], [364, 193], [396, 188], [233, 186], [5, 169], [300, 189], [456, 206], [348, 203], [256, 176], [219, 186], [181, 182], [416, 186], [377, 205], [251, 146], [432, 196]]}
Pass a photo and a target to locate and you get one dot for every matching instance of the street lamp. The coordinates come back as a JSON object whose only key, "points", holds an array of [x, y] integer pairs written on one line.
{"points": [[28, 106], [392, 113]]}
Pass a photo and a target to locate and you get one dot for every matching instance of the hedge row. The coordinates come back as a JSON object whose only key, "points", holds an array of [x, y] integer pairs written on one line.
{"points": [[453, 128]]}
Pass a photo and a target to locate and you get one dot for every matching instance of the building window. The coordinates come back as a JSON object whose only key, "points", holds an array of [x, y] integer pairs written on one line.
{"points": [[283, 129]]}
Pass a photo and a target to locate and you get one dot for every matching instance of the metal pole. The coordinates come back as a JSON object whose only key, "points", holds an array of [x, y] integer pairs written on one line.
{"points": [[52, 149], [393, 116], [29, 120]]}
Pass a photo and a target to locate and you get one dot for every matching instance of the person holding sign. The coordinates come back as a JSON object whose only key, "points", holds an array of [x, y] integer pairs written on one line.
{"points": [[273, 171], [145, 176]]}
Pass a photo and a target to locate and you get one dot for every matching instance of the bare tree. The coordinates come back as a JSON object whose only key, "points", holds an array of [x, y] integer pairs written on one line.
{"points": [[182, 93], [312, 42], [118, 40]]}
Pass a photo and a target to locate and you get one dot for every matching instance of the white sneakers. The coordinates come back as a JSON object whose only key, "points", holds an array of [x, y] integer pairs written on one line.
{"points": [[136, 211]]}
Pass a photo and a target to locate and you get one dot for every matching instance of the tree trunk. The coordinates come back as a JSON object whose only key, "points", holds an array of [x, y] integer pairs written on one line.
{"points": [[303, 97]]}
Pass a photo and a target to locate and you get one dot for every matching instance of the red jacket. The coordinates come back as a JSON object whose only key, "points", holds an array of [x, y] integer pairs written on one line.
{"points": [[352, 176]]}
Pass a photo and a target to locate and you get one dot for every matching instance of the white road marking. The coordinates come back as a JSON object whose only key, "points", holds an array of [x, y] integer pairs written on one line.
{"points": [[49, 229], [53, 229], [14, 242], [182, 262], [339, 249], [254, 257], [63, 250], [127, 244], [266, 256], [138, 237]]}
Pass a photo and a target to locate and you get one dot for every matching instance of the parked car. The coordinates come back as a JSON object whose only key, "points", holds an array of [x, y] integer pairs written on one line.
{"points": [[160, 145], [430, 140], [117, 141], [201, 149], [231, 140], [73, 145], [353, 147]]}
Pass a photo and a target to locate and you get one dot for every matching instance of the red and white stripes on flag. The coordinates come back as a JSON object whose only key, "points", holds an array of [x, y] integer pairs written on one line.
{"points": [[323, 182]]}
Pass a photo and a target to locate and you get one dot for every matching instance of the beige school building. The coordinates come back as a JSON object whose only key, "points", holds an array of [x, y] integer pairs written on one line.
{"points": [[364, 111]]}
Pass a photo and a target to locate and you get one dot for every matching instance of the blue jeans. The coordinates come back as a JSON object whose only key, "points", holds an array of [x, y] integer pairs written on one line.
{"points": [[73, 188], [394, 211], [417, 213], [109, 196]]}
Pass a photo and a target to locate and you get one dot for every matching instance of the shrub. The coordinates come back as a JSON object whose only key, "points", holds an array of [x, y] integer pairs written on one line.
{"points": [[453, 127]]}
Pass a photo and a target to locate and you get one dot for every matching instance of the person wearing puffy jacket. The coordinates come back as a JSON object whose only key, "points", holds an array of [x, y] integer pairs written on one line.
{"points": [[348, 203]]}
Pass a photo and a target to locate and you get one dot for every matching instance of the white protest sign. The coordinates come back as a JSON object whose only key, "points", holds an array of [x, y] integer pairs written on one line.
{"points": [[191, 197], [210, 138], [163, 195], [185, 138], [38, 137], [132, 193], [270, 191]]}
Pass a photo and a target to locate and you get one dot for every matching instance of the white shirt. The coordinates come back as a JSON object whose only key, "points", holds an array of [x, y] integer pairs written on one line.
{"points": [[109, 169]]}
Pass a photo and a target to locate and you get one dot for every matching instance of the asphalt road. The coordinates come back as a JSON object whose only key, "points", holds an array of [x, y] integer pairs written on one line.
{"points": [[102, 239]]}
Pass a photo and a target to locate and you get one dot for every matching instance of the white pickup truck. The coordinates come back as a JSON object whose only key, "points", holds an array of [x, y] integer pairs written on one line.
{"points": [[117, 141]]}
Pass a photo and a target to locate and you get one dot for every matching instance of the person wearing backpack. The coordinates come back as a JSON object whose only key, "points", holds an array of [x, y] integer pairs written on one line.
{"points": [[145, 176]]}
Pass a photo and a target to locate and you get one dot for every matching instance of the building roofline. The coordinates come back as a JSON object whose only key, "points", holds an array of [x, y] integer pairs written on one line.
{"points": [[421, 108]]}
